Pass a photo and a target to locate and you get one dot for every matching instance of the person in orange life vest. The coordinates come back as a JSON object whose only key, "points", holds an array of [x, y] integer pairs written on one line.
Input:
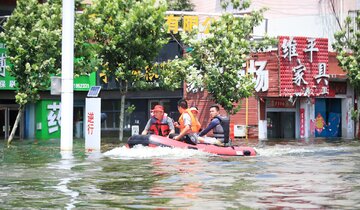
{"points": [[159, 124], [195, 111], [187, 124]]}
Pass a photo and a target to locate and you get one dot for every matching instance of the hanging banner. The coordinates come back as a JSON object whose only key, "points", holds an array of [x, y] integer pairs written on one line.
{"points": [[302, 123]]}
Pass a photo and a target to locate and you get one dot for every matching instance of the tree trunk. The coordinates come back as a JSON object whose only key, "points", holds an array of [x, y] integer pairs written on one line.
{"points": [[357, 121], [123, 91], [16, 124], [358, 130], [121, 117]]}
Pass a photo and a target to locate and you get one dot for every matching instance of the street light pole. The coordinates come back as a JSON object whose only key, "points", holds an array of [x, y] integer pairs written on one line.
{"points": [[67, 75]]}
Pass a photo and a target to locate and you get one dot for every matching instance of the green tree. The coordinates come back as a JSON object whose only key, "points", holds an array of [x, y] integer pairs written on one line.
{"points": [[32, 35], [180, 5], [214, 61], [347, 42], [130, 33]]}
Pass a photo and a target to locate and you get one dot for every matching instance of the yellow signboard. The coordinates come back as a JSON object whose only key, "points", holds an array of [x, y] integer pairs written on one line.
{"points": [[189, 22]]}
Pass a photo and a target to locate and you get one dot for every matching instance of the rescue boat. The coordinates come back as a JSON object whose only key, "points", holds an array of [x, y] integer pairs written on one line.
{"points": [[155, 141]]}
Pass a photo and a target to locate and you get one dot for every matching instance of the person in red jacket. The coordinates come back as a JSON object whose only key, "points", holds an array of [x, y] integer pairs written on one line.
{"points": [[159, 124]]}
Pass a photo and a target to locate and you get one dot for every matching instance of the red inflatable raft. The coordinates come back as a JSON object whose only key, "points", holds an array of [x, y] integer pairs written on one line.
{"points": [[154, 141]]}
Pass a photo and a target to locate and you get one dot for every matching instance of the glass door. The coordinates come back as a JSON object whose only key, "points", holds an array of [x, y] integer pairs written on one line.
{"points": [[7, 119]]}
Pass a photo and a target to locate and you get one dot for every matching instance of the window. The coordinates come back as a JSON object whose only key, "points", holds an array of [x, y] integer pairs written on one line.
{"points": [[112, 109]]}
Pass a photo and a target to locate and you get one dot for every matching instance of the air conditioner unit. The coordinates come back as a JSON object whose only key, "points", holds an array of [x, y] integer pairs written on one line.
{"points": [[239, 130]]}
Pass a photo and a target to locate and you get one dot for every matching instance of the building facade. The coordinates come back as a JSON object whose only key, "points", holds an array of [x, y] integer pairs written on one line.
{"points": [[300, 90], [42, 120]]}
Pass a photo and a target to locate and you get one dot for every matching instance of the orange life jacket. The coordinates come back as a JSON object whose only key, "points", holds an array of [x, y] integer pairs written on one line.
{"points": [[195, 125], [159, 127]]}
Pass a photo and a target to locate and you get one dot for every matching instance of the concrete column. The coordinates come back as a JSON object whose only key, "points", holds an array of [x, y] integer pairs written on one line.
{"points": [[347, 105], [67, 75], [262, 126]]}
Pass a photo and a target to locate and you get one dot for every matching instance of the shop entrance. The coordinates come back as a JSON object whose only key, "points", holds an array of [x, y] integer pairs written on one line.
{"points": [[328, 117], [281, 125], [78, 122], [7, 120]]}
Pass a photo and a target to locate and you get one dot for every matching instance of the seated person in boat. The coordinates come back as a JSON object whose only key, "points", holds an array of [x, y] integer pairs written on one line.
{"points": [[159, 123], [187, 124], [220, 127], [195, 111]]}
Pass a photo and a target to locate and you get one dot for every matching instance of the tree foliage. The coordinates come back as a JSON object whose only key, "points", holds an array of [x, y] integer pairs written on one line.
{"points": [[347, 42], [32, 35], [180, 5], [130, 34], [215, 60], [347, 46]]}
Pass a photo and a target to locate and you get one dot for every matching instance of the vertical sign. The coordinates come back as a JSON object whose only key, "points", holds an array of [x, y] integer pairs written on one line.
{"points": [[53, 117], [48, 119], [92, 124], [7, 82], [302, 123]]}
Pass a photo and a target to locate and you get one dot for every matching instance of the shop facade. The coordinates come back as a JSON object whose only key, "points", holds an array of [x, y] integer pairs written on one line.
{"points": [[307, 96], [300, 92], [40, 120]]}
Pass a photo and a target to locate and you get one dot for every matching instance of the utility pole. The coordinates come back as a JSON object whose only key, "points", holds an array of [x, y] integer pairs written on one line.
{"points": [[67, 75]]}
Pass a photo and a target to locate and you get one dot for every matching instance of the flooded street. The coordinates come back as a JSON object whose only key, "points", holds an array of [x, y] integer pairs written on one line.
{"points": [[286, 174]]}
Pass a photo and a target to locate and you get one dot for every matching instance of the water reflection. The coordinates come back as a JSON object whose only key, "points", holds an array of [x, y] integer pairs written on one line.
{"points": [[66, 164], [184, 171], [294, 174]]}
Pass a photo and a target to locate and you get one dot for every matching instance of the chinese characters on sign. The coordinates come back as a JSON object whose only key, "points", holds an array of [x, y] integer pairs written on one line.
{"points": [[302, 123], [192, 88], [261, 75], [303, 63], [2, 64], [172, 23], [299, 74], [189, 21], [279, 103], [54, 117], [256, 68], [289, 48], [6, 81], [310, 47], [91, 123], [322, 74]]}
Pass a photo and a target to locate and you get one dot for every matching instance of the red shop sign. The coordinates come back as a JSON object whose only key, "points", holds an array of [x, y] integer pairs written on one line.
{"points": [[280, 103], [303, 66]]}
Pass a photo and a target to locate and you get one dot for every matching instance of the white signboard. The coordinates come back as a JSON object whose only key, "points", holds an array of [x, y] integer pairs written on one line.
{"points": [[135, 130], [92, 124]]}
